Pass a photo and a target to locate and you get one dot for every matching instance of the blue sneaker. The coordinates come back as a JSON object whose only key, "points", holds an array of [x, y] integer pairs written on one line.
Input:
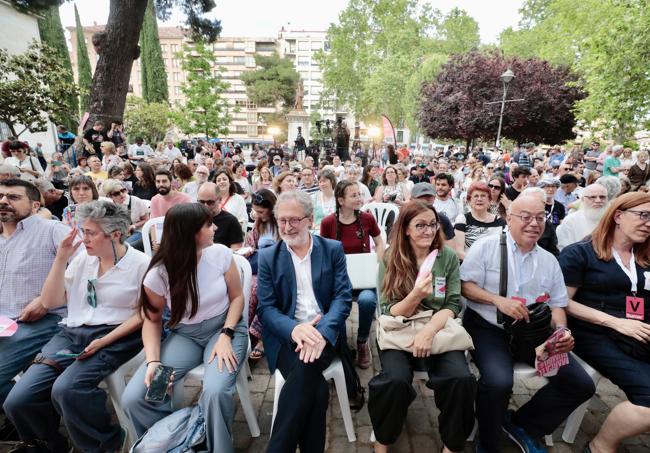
{"points": [[519, 436]]}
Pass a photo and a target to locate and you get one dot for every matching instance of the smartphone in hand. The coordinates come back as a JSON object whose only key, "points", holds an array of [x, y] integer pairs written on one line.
{"points": [[159, 383]]}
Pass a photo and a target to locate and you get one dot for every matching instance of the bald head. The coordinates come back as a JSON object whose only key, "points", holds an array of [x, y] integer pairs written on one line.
{"points": [[526, 202], [208, 196]]}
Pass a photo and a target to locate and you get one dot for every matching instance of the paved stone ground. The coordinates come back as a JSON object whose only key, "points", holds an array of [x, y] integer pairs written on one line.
{"points": [[420, 432]]}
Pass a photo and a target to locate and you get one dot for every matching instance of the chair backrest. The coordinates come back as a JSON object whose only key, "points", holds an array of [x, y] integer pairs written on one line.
{"points": [[382, 213], [157, 223], [244, 268], [362, 270]]}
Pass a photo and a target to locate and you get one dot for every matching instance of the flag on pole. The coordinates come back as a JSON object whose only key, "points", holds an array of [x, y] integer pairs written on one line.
{"points": [[389, 131]]}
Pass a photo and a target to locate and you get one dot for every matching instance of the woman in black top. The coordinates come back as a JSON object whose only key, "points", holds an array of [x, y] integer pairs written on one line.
{"points": [[608, 282], [145, 186]]}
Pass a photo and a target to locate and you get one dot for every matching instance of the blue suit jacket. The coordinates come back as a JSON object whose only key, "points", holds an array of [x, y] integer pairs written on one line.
{"points": [[276, 293]]}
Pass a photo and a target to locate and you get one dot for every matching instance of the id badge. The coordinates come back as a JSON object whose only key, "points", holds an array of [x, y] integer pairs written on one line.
{"points": [[634, 307], [440, 286]]}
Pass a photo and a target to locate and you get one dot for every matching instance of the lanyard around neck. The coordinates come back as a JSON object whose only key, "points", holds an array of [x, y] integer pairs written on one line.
{"points": [[631, 272]]}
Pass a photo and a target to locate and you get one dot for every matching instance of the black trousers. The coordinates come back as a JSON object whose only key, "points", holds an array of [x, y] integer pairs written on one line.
{"points": [[545, 411], [302, 406], [391, 393]]}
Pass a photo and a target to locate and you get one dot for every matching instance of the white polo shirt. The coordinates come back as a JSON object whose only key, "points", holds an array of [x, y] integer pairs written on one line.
{"points": [[117, 291]]}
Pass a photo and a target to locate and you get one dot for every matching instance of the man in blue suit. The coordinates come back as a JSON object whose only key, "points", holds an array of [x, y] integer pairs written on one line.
{"points": [[305, 297]]}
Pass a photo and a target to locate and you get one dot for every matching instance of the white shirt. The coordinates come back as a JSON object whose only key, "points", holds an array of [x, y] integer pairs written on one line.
{"points": [[237, 207], [117, 291], [449, 207], [173, 153], [306, 306], [530, 275], [29, 162], [139, 151], [212, 289], [192, 189], [574, 228], [138, 207]]}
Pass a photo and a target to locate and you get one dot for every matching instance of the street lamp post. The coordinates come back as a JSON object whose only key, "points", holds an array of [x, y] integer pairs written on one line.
{"points": [[506, 78]]}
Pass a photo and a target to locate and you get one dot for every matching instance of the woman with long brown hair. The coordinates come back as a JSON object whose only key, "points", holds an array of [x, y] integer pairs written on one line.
{"points": [[416, 238], [608, 282], [199, 283]]}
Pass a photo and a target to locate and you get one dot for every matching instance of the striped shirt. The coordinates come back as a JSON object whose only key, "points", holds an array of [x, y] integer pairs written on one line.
{"points": [[25, 260]]}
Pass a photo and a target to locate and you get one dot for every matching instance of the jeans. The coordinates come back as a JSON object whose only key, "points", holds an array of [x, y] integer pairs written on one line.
{"points": [[134, 238], [545, 411], [44, 394], [367, 300], [186, 347], [17, 351]]}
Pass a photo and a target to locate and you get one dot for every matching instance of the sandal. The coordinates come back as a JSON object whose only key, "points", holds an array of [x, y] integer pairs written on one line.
{"points": [[256, 353]]}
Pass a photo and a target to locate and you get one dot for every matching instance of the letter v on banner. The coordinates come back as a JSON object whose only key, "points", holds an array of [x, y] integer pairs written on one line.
{"points": [[389, 131]]}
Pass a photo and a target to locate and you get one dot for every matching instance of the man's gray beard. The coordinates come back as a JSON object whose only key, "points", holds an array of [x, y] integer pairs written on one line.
{"points": [[302, 239], [593, 214]]}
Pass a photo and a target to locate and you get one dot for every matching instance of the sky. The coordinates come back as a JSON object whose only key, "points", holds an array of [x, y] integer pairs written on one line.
{"points": [[265, 18]]}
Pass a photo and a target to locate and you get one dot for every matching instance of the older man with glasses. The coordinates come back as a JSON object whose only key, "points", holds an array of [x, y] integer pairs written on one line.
{"points": [[227, 229], [581, 223], [201, 175], [533, 276], [304, 296]]}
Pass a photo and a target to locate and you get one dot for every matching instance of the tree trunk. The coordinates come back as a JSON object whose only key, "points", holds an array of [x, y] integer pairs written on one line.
{"points": [[117, 47]]}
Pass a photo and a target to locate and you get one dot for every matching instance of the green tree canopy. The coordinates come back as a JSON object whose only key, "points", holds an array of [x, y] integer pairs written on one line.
{"points": [[459, 33], [152, 65], [51, 31], [149, 120], [33, 89], [206, 111], [605, 42], [275, 81]]}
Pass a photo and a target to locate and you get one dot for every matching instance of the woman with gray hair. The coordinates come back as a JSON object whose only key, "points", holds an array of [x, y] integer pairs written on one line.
{"points": [[612, 184], [138, 210], [100, 286]]}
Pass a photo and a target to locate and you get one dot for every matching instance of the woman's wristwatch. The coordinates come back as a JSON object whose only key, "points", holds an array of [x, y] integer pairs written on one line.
{"points": [[228, 331]]}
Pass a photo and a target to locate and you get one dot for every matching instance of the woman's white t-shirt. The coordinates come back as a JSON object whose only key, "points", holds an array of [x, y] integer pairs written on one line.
{"points": [[212, 290]]}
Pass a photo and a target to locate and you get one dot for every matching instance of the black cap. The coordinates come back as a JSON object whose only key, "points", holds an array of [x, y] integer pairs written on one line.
{"points": [[568, 179]]}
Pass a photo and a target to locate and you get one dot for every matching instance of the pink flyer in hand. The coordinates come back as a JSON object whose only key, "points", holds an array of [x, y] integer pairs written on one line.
{"points": [[427, 265], [8, 326]]}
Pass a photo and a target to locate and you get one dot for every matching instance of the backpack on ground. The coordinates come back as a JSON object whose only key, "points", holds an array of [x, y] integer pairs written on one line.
{"points": [[180, 432]]}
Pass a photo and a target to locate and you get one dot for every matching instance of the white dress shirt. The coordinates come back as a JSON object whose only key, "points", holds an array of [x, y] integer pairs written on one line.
{"points": [[117, 291], [530, 274], [306, 305]]}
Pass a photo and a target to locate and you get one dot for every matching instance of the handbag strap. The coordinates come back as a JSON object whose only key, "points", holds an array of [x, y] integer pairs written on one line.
{"points": [[503, 273]]}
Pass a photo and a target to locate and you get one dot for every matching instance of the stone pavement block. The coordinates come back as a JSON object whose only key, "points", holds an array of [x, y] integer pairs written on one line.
{"points": [[256, 399], [418, 421], [259, 383], [420, 443]]}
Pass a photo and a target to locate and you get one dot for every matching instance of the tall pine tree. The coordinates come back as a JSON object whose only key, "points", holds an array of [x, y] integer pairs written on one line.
{"points": [[152, 65], [51, 32], [83, 66]]}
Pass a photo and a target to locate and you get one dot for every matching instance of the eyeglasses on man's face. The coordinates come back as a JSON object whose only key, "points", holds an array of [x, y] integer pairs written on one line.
{"points": [[528, 218], [292, 221], [207, 202]]}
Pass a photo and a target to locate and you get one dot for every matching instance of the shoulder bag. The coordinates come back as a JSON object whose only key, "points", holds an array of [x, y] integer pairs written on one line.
{"points": [[398, 332]]}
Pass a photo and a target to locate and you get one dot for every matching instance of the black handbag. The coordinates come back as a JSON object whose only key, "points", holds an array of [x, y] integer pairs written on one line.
{"points": [[524, 336]]}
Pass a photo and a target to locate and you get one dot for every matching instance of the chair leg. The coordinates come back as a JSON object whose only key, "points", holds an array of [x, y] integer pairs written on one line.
{"points": [[549, 440], [472, 435], [342, 394], [115, 384], [573, 423], [246, 404]]}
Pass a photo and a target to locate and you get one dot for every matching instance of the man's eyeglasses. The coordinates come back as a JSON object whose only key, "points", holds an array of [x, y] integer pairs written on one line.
{"points": [[91, 292], [293, 221], [207, 202], [643, 215], [422, 227], [527, 218], [11, 196], [117, 192], [596, 197]]}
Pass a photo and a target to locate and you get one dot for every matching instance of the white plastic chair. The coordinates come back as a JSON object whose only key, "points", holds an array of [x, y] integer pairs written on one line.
{"points": [[362, 270], [157, 223], [381, 213], [116, 383], [242, 377], [335, 372], [575, 419]]}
